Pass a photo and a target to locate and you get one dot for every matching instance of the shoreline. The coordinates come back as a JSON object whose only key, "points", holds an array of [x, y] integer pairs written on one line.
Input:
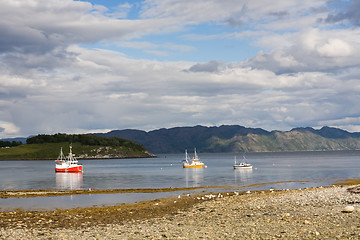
{"points": [[55, 192], [289, 214], [81, 159]]}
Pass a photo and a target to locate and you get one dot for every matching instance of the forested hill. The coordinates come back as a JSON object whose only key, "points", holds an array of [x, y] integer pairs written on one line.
{"points": [[84, 139], [234, 138], [84, 146]]}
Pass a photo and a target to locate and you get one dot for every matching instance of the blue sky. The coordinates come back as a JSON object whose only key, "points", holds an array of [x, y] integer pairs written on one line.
{"points": [[94, 66]]}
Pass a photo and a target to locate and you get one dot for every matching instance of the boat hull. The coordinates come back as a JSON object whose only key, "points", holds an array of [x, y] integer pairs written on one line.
{"points": [[69, 169], [242, 167], [193, 165]]}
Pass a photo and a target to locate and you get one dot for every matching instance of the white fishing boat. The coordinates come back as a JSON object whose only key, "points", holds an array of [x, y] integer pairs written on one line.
{"points": [[242, 165], [194, 163], [67, 164]]}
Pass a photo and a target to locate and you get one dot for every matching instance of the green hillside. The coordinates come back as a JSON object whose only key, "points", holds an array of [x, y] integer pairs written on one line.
{"points": [[86, 148], [281, 141]]}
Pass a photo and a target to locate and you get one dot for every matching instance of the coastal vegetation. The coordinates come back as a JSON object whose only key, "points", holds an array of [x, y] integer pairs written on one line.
{"points": [[84, 147], [84, 139], [5, 144]]}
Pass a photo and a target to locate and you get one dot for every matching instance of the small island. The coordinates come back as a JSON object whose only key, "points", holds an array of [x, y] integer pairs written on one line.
{"points": [[85, 146]]}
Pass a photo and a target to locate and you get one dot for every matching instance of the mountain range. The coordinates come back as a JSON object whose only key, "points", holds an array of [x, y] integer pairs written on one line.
{"points": [[235, 138]]}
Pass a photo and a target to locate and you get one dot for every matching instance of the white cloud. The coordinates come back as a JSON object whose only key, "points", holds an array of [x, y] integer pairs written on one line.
{"points": [[8, 129], [335, 48], [310, 50]]}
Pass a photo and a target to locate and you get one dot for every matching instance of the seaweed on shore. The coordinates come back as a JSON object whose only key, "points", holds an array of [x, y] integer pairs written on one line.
{"points": [[52, 193]]}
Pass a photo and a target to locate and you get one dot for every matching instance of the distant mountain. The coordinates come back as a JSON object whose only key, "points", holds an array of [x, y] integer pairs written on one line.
{"points": [[329, 132], [18, 139], [234, 138]]}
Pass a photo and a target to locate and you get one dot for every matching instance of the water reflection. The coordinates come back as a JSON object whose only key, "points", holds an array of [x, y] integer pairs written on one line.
{"points": [[70, 181], [194, 177], [242, 175]]}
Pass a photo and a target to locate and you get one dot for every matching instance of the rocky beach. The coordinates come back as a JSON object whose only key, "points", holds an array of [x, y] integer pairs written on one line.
{"points": [[317, 213]]}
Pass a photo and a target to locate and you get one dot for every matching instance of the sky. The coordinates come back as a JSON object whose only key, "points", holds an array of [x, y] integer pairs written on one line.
{"points": [[94, 66]]}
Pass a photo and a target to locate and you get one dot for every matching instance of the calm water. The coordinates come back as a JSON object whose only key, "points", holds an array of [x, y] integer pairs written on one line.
{"points": [[278, 170]]}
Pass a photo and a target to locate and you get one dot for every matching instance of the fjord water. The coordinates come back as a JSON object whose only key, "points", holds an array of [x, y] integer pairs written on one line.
{"points": [[280, 170], [303, 169]]}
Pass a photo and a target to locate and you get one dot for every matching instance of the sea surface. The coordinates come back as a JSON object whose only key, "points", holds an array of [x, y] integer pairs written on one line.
{"points": [[284, 170]]}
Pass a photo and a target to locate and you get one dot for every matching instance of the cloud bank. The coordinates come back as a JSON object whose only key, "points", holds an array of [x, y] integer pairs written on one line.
{"points": [[75, 66]]}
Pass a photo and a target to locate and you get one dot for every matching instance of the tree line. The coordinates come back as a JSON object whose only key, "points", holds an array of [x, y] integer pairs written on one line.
{"points": [[9, 144], [85, 139]]}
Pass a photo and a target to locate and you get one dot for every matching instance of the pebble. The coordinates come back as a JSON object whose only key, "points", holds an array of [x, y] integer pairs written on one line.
{"points": [[348, 209]]}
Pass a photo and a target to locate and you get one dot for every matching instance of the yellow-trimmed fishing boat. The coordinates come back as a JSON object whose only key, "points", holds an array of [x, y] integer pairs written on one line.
{"points": [[194, 163]]}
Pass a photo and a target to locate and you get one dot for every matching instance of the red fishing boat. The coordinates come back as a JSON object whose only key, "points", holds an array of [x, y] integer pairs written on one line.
{"points": [[67, 164]]}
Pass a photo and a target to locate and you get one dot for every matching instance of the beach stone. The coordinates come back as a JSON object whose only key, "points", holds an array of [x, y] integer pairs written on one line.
{"points": [[348, 209]]}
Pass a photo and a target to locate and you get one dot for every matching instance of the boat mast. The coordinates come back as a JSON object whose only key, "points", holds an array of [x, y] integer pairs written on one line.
{"points": [[61, 156], [195, 154], [71, 155], [186, 156]]}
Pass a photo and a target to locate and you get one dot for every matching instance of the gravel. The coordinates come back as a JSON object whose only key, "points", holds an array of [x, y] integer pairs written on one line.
{"points": [[318, 213]]}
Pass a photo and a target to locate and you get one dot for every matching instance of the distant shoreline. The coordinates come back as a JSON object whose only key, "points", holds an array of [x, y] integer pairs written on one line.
{"points": [[86, 159], [156, 155]]}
